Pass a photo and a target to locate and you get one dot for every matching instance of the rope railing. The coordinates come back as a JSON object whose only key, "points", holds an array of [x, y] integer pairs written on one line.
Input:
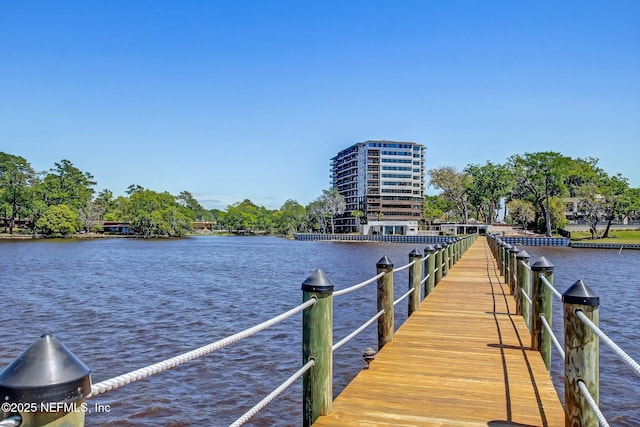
{"points": [[527, 297], [12, 421], [409, 292], [554, 339], [358, 286], [609, 342], [425, 279], [544, 280], [592, 404], [156, 368], [271, 396], [353, 334], [404, 267]]}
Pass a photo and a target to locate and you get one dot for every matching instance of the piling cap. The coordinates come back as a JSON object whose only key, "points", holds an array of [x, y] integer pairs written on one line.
{"points": [[429, 248], [438, 246], [45, 372], [579, 293], [514, 249], [384, 262], [415, 253], [318, 282], [542, 264], [523, 255]]}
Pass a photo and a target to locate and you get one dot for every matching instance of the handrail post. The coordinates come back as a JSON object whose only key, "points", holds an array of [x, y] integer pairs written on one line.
{"points": [[385, 301], [501, 245], [430, 284], [542, 305], [438, 261], [415, 274], [43, 375], [452, 254], [582, 355], [513, 268], [522, 259], [445, 259], [317, 342], [505, 262]]}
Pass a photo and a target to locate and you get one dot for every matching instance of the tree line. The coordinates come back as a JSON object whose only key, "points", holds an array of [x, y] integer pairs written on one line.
{"points": [[535, 187], [62, 201]]}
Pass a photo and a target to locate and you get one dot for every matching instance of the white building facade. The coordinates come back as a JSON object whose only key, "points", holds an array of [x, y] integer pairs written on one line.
{"points": [[383, 185]]}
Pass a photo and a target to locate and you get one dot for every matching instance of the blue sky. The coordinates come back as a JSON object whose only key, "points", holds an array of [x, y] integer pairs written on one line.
{"points": [[250, 99]]}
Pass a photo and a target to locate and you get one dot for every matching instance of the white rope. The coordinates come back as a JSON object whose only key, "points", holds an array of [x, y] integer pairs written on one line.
{"points": [[525, 265], [424, 280], [624, 356], [403, 296], [550, 286], [395, 270], [348, 338], [592, 403], [524, 294], [12, 421], [550, 332], [358, 286], [275, 393], [167, 364], [426, 257]]}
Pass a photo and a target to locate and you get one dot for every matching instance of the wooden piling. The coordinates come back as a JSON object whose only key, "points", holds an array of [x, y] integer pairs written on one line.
{"points": [[582, 355], [542, 305], [415, 276], [430, 284], [385, 301], [317, 343]]}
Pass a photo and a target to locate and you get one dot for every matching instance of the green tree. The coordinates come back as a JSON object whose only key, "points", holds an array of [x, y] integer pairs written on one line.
{"points": [[16, 178], [187, 200], [58, 221], [435, 208], [241, 217], [521, 212], [317, 216], [333, 204], [488, 184], [454, 188], [290, 218], [614, 190], [66, 184], [540, 176], [152, 214]]}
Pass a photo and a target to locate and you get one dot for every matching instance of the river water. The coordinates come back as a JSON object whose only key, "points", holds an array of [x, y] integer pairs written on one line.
{"points": [[121, 304]]}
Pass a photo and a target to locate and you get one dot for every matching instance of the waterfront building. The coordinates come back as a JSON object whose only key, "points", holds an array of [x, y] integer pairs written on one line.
{"points": [[383, 185]]}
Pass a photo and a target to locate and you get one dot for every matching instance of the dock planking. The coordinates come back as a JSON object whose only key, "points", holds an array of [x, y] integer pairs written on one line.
{"points": [[463, 359]]}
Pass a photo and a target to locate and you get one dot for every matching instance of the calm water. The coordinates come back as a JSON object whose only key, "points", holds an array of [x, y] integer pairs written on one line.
{"points": [[121, 304]]}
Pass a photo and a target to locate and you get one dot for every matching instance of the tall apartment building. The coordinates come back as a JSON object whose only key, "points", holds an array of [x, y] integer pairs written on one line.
{"points": [[385, 181]]}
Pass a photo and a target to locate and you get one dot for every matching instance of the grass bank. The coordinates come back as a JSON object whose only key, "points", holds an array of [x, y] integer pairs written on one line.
{"points": [[617, 236]]}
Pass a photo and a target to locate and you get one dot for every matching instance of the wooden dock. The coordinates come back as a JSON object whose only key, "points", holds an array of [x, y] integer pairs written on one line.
{"points": [[463, 359]]}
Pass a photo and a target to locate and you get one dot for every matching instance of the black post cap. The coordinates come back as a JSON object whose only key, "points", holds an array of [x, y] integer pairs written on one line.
{"points": [[415, 253], [579, 293], [438, 246], [45, 372], [523, 255], [384, 262], [542, 264], [318, 282], [429, 248], [514, 249]]}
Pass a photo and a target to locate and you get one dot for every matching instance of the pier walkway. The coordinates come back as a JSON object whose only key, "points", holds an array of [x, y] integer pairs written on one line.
{"points": [[463, 359]]}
